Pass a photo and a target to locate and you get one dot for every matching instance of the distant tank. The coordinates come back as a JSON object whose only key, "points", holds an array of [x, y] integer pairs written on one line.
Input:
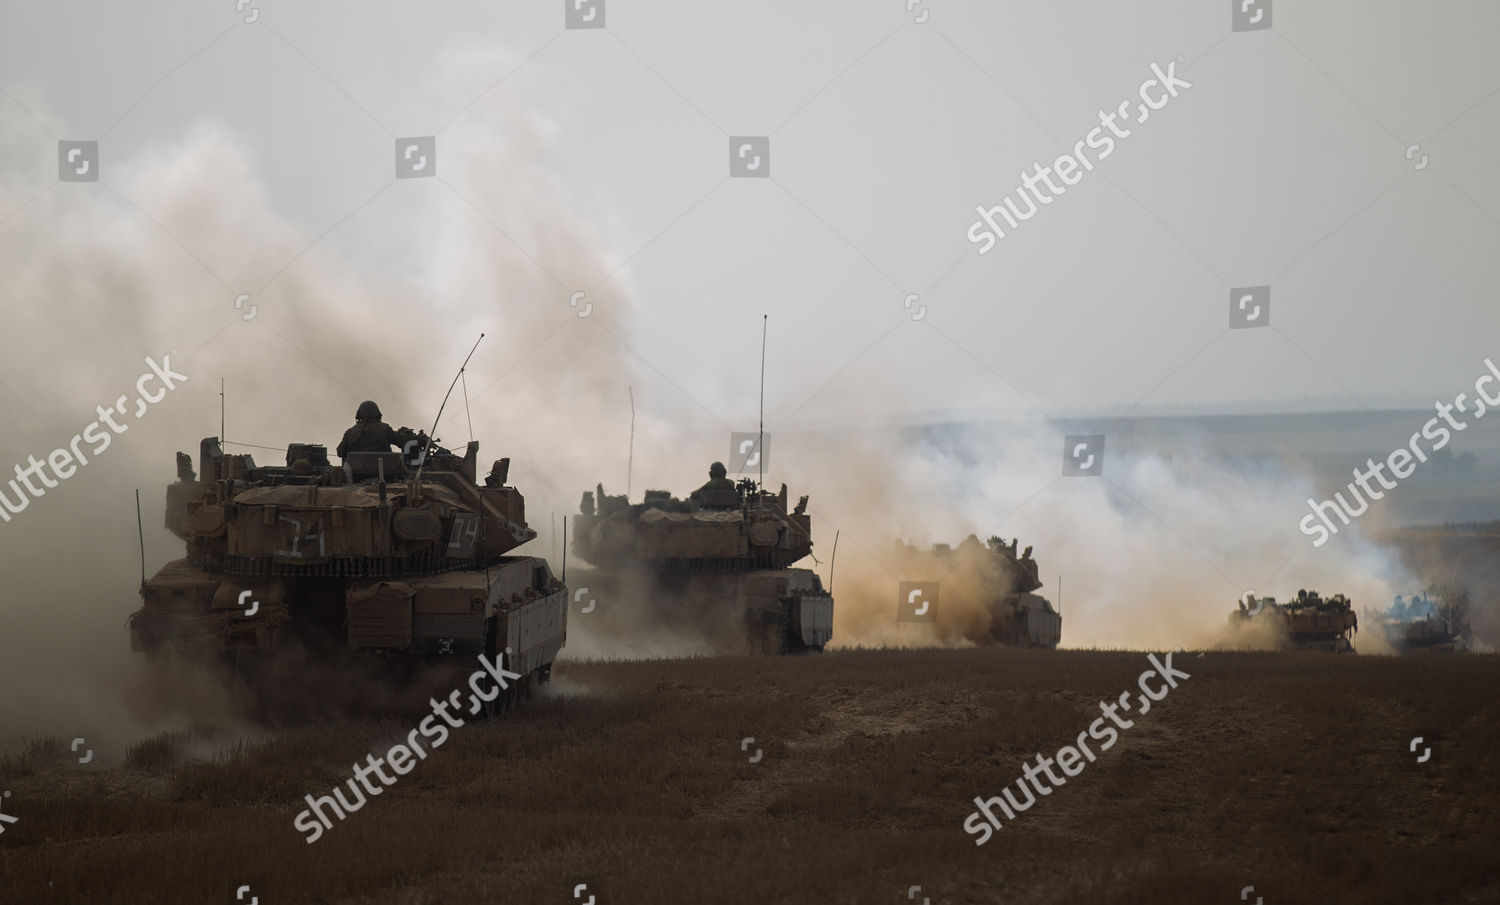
{"points": [[396, 556], [1434, 621], [988, 578], [718, 560], [1309, 622]]}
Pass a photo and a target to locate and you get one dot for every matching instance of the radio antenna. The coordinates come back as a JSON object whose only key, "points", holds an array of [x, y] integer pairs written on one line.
{"points": [[630, 459], [141, 533], [760, 444], [221, 409], [831, 560], [445, 405]]}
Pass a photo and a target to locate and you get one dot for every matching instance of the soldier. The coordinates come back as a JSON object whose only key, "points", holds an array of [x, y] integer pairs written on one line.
{"points": [[370, 434], [717, 480]]}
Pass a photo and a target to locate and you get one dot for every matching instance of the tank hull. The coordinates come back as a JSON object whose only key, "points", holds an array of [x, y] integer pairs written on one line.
{"points": [[1316, 625], [771, 611], [514, 604], [1026, 620]]}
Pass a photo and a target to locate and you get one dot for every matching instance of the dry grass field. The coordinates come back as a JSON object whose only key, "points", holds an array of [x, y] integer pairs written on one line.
{"points": [[1291, 773]]}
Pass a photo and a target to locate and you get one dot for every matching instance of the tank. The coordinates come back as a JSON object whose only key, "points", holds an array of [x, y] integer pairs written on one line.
{"points": [[392, 558], [991, 580], [716, 563], [1434, 621], [1308, 622]]}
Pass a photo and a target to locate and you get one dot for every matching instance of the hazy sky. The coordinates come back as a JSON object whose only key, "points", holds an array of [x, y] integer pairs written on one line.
{"points": [[260, 158], [1284, 164]]}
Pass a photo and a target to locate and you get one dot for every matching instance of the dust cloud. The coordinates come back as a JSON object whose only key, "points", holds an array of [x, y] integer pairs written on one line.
{"points": [[98, 277], [94, 279], [1154, 553]]}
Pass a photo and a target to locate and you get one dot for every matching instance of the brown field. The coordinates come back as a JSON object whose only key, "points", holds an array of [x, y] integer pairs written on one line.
{"points": [[1288, 772]]}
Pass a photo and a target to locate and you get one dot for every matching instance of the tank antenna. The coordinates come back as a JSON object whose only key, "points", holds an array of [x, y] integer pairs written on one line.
{"points": [[221, 410], [565, 550], [467, 414], [141, 533], [630, 458], [445, 405], [831, 558], [760, 444]]}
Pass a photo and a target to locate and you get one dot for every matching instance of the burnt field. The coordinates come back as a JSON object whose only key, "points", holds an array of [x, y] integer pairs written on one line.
{"points": [[1291, 773]]}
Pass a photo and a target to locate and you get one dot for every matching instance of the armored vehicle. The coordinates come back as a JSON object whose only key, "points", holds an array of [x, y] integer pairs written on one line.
{"points": [[1433, 621], [988, 581], [402, 556], [1309, 622], [716, 563]]}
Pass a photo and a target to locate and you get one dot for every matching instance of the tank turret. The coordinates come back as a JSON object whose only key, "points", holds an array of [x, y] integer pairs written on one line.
{"points": [[726, 545]]}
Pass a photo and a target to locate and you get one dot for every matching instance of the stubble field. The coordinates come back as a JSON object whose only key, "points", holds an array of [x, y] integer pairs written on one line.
{"points": [[1291, 773]]}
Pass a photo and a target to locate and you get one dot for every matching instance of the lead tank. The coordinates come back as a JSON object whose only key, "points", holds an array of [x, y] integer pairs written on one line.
{"points": [[1308, 622], [716, 563], [389, 557]]}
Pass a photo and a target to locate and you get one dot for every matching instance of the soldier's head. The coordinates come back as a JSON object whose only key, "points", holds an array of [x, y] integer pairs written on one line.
{"points": [[717, 470], [368, 411]]}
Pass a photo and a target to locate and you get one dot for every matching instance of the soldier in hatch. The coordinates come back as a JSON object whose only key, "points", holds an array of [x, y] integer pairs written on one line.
{"points": [[717, 481], [370, 434]]}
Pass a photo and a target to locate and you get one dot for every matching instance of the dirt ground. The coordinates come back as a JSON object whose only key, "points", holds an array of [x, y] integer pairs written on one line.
{"points": [[1294, 774]]}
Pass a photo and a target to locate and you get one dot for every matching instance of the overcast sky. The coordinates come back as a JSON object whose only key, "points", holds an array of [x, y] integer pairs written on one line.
{"points": [[1285, 164]]}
